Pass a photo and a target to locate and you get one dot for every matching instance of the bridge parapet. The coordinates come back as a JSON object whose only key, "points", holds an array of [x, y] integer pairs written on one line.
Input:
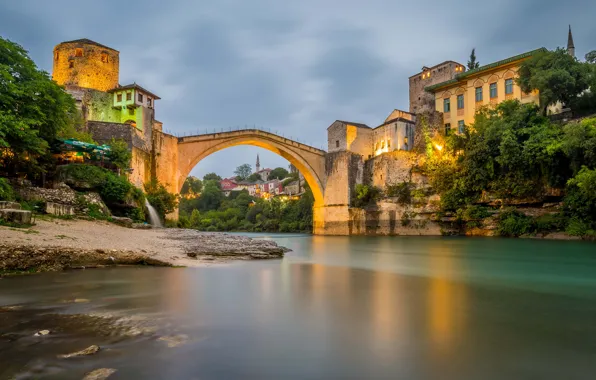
{"points": [[244, 132]]}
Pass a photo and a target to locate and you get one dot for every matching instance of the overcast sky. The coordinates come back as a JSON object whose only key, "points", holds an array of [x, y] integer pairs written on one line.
{"points": [[291, 66]]}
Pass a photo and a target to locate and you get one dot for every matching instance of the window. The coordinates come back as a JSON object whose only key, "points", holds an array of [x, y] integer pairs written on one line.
{"points": [[460, 102], [57, 55], [493, 90], [104, 57], [508, 86], [447, 105], [461, 126], [140, 98], [149, 101], [388, 143], [337, 143], [119, 98], [447, 129], [478, 94], [131, 111], [70, 64], [383, 144], [129, 96], [78, 52]]}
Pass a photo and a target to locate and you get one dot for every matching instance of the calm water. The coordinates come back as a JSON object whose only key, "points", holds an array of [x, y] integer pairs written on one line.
{"points": [[335, 308]]}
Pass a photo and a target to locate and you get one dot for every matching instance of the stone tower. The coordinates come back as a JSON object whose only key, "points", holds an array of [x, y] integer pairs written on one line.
{"points": [[422, 101], [570, 44], [258, 165], [85, 63]]}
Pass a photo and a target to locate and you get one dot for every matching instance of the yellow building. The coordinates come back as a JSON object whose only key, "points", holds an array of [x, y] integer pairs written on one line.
{"points": [[459, 98]]}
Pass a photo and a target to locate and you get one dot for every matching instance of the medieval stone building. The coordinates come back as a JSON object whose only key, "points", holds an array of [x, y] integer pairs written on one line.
{"points": [[89, 71]]}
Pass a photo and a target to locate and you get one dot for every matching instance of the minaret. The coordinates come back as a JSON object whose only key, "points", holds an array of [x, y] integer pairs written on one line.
{"points": [[570, 45], [258, 165]]}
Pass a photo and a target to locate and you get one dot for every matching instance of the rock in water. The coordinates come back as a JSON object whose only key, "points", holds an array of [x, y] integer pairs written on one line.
{"points": [[99, 374], [42, 333], [87, 351]]}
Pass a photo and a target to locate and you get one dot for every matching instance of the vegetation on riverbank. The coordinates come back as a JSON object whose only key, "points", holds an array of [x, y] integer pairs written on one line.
{"points": [[212, 210]]}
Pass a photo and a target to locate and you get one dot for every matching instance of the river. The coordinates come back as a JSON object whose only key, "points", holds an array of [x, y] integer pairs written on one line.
{"points": [[334, 308]]}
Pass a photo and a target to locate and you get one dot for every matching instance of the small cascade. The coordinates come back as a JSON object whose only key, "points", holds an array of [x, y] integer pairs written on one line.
{"points": [[153, 215]]}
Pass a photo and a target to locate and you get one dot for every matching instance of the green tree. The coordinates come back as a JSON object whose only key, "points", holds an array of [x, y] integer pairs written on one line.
{"points": [[472, 63], [120, 155], [557, 76], [254, 177], [33, 110], [278, 173], [211, 196], [211, 177], [591, 57], [242, 172], [192, 186]]}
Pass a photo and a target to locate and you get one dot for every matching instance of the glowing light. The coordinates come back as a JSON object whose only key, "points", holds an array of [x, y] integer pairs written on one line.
{"points": [[439, 147]]}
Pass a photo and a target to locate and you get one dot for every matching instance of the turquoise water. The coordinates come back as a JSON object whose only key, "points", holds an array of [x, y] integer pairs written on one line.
{"points": [[334, 308]]}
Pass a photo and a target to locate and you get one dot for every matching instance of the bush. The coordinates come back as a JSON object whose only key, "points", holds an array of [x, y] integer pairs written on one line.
{"points": [[83, 176], [403, 192], [115, 189], [365, 195], [550, 223], [6, 192], [578, 227], [580, 202], [513, 223]]}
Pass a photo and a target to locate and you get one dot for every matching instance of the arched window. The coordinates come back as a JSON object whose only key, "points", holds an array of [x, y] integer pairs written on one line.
{"points": [[78, 52]]}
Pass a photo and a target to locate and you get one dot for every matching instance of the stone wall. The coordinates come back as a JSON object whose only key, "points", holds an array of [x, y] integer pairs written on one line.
{"points": [[391, 218], [393, 168], [164, 165]]}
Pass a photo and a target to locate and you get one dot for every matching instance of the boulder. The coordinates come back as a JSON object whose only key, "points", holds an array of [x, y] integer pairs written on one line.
{"points": [[122, 221], [99, 374], [16, 216], [10, 205], [87, 351], [60, 209]]}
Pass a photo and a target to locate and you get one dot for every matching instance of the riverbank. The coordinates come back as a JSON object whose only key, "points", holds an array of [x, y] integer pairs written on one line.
{"points": [[58, 244]]}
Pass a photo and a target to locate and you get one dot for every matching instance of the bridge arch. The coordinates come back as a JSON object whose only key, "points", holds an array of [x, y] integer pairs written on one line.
{"points": [[308, 160]]}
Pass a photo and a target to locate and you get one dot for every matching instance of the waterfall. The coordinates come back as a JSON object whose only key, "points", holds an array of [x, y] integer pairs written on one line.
{"points": [[153, 215]]}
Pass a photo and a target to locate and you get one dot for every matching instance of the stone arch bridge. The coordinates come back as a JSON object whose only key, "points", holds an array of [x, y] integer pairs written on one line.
{"points": [[326, 173]]}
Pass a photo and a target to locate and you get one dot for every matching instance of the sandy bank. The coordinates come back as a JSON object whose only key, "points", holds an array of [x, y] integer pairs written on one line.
{"points": [[52, 242]]}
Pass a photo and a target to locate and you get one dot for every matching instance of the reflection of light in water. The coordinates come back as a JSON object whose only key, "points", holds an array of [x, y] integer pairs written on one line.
{"points": [[177, 290], [446, 300]]}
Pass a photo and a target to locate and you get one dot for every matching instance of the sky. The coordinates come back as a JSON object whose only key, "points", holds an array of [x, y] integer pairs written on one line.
{"points": [[290, 66]]}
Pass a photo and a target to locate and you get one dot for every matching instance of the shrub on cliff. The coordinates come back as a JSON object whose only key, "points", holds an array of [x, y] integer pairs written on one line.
{"points": [[580, 201], [81, 176], [120, 155], [365, 195], [6, 193], [513, 223]]}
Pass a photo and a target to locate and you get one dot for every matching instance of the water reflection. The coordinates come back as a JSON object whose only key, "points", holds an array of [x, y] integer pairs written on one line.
{"points": [[334, 308]]}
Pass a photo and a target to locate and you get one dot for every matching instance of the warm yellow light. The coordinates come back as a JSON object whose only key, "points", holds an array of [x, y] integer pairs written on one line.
{"points": [[439, 147]]}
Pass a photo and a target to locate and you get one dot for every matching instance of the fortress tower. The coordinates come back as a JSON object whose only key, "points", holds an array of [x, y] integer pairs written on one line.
{"points": [[85, 63]]}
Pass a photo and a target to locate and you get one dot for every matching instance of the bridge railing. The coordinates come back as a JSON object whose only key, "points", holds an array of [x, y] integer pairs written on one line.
{"points": [[208, 131]]}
